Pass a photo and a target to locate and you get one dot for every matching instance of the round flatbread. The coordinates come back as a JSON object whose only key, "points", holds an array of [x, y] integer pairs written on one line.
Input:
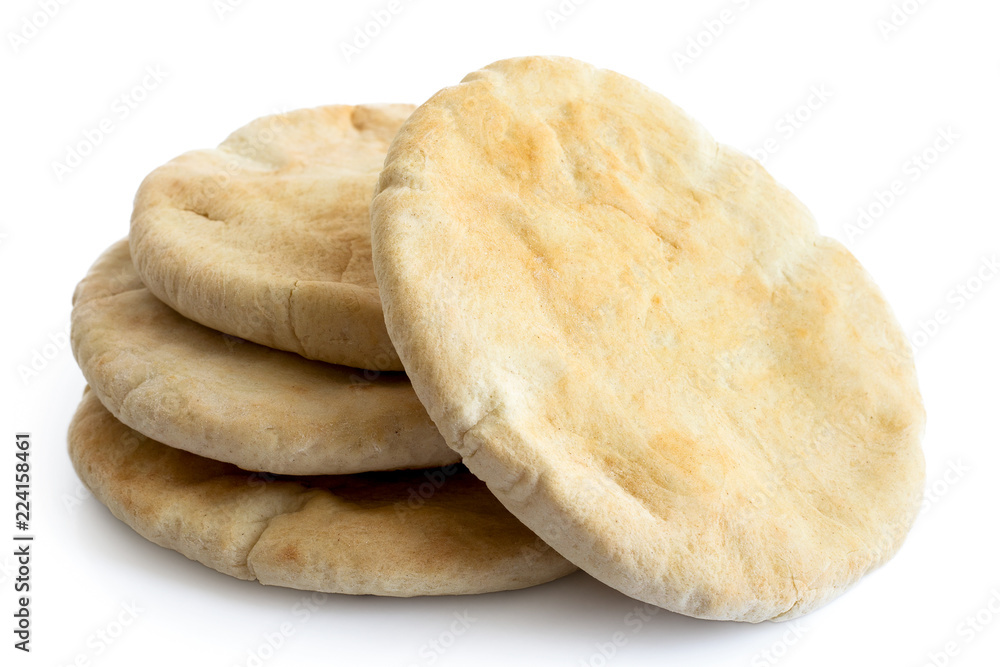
{"points": [[427, 532], [267, 236], [231, 400], [651, 355]]}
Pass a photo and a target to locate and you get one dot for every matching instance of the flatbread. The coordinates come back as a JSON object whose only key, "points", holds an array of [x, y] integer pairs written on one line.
{"points": [[427, 532], [642, 344], [228, 399], [267, 236]]}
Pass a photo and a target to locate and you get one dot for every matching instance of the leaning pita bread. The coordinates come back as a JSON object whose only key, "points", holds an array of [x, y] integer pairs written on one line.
{"points": [[222, 397], [379, 533], [267, 236], [643, 346]]}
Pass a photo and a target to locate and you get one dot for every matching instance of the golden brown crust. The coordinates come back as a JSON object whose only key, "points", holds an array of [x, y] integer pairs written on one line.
{"points": [[228, 399], [653, 358], [379, 533], [267, 236]]}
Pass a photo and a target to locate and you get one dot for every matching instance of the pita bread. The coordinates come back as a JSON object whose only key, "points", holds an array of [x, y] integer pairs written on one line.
{"points": [[267, 236], [222, 397], [379, 533], [651, 356]]}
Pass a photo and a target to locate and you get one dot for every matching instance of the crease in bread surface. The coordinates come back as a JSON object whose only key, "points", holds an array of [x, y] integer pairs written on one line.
{"points": [[226, 236], [353, 534], [642, 344], [230, 399]]}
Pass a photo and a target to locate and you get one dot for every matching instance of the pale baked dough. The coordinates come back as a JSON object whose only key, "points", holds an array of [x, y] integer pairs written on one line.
{"points": [[228, 399], [642, 344], [436, 532], [266, 237]]}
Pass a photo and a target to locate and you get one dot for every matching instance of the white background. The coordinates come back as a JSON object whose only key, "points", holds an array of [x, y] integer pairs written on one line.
{"points": [[887, 98]]}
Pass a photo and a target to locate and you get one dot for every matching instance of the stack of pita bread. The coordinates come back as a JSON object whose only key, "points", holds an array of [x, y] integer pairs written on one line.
{"points": [[569, 330]]}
